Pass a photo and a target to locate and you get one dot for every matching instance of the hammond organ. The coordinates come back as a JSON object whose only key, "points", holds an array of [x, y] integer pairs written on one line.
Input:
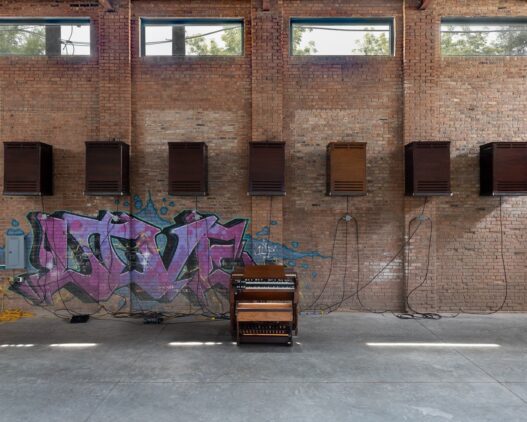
{"points": [[264, 304]]}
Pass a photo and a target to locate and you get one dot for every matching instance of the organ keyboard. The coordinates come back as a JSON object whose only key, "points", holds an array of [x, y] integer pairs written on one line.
{"points": [[264, 301]]}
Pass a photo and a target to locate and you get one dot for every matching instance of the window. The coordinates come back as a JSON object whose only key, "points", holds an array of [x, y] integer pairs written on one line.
{"points": [[192, 37], [41, 37], [484, 36], [342, 37]]}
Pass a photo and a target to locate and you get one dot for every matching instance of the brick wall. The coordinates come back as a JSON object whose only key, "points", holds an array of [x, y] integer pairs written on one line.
{"points": [[468, 101], [269, 95]]}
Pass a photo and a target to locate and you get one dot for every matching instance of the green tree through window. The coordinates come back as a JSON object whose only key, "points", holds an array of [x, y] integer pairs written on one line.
{"points": [[373, 45], [298, 50], [484, 40], [341, 37], [231, 38], [22, 40], [466, 44]]}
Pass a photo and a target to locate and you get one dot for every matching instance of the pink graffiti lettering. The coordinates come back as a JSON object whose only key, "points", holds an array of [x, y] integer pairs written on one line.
{"points": [[94, 257]]}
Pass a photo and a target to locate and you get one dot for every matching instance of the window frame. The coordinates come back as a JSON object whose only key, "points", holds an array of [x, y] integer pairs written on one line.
{"points": [[163, 21], [390, 21], [33, 21], [478, 20]]}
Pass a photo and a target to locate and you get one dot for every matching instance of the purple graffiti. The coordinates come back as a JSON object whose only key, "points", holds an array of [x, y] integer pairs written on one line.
{"points": [[94, 257]]}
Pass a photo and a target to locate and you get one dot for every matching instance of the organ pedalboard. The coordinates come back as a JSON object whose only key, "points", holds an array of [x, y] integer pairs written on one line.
{"points": [[264, 304]]}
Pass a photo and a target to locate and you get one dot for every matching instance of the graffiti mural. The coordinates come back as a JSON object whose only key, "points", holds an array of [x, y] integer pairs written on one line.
{"points": [[146, 255], [263, 250], [94, 257]]}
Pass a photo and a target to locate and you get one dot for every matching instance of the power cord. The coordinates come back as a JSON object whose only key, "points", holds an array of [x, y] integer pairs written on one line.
{"points": [[413, 314], [504, 266]]}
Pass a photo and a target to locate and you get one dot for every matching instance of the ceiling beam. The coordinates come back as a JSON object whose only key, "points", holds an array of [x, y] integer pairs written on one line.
{"points": [[425, 4], [107, 4]]}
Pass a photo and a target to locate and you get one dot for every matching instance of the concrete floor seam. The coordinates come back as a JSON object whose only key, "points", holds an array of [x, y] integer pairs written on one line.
{"points": [[101, 402], [503, 384], [480, 368]]}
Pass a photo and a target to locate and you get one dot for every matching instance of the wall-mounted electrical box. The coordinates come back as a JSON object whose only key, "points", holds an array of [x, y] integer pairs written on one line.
{"points": [[427, 169], [503, 168], [28, 168], [107, 168], [187, 168], [346, 169], [267, 168], [15, 252]]}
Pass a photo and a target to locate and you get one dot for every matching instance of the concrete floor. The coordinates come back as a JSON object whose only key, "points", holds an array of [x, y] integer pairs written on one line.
{"points": [[331, 374]]}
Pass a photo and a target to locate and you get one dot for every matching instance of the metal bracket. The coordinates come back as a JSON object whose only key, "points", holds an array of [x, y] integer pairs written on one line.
{"points": [[108, 5], [425, 4]]}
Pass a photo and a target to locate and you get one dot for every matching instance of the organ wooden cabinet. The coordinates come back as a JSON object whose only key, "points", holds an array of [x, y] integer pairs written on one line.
{"points": [[264, 304]]}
